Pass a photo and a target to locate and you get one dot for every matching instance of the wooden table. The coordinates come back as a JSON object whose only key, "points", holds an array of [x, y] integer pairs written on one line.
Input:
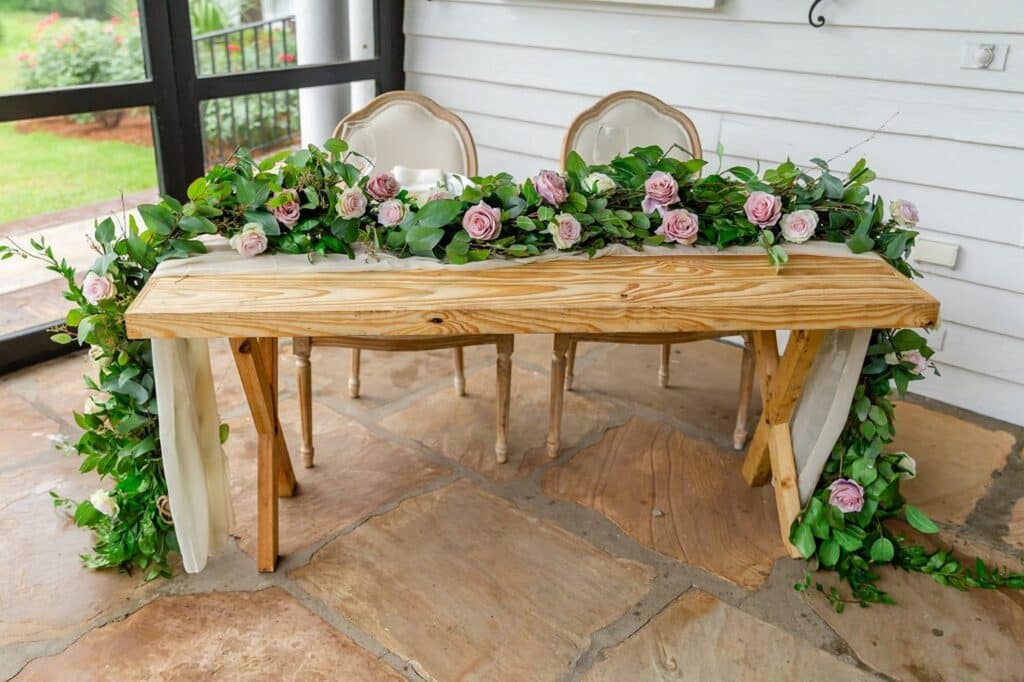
{"points": [[810, 295]]}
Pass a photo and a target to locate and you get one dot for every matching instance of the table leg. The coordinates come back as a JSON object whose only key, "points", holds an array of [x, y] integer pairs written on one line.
{"points": [[784, 386], [256, 360], [757, 466]]}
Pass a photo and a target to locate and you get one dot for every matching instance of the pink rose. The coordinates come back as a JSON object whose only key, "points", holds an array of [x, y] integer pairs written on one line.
{"points": [[382, 186], [846, 495], [565, 230], [287, 213], [679, 226], [903, 212], [763, 209], [482, 222], [914, 357], [96, 288], [352, 203], [251, 241], [439, 195], [551, 187], [391, 212], [662, 190], [799, 226]]}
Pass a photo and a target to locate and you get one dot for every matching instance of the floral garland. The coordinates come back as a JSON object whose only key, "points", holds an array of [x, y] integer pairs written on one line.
{"points": [[315, 201]]}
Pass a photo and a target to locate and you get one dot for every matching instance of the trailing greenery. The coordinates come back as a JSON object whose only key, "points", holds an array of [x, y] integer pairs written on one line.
{"points": [[315, 201]]}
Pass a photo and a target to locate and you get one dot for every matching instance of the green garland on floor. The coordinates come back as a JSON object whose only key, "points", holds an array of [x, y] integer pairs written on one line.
{"points": [[315, 201]]}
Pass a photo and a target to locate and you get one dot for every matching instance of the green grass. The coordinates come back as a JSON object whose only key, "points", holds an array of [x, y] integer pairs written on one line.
{"points": [[16, 29], [43, 172]]}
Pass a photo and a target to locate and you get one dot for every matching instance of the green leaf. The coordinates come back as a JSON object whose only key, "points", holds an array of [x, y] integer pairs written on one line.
{"points": [[859, 243], [105, 231], [196, 190], [438, 213], [803, 540], [61, 338], [828, 553], [336, 146], [197, 225], [271, 228], [918, 519], [908, 339], [157, 218], [848, 540], [86, 514], [833, 186], [225, 431], [882, 550], [422, 240]]}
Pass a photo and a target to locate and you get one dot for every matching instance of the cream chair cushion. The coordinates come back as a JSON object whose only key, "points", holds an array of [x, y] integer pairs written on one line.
{"points": [[405, 132], [645, 123]]}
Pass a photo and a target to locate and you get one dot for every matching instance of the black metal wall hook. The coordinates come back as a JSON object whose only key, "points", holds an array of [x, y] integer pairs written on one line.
{"points": [[815, 21]]}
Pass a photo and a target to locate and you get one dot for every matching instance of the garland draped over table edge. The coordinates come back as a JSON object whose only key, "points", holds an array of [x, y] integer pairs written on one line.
{"points": [[316, 201]]}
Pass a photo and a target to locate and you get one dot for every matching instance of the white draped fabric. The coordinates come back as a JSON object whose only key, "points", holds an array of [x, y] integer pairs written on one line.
{"points": [[197, 478]]}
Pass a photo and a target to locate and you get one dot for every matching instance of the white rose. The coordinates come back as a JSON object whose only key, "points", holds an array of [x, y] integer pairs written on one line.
{"points": [[799, 226], [92, 406], [98, 357], [599, 183], [104, 502], [907, 466]]}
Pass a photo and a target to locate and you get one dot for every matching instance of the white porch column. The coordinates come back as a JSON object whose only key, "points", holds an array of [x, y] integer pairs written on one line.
{"points": [[322, 37], [360, 32]]}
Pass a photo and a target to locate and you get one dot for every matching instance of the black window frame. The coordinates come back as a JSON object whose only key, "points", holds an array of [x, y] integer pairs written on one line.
{"points": [[174, 93]]}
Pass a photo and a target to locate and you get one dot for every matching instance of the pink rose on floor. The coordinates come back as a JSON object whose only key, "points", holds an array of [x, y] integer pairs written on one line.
{"points": [[251, 241], [846, 495], [903, 212], [763, 209], [914, 357], [287, 213], [662, 191], [352, 203], [565, 230], [391, 212], [679, 226], [551, 187], [482, 222], [96, 288], [799, 226], [382, 186]]}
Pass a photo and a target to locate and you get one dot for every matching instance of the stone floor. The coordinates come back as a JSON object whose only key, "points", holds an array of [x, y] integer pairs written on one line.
{"points": [[409, 554]]}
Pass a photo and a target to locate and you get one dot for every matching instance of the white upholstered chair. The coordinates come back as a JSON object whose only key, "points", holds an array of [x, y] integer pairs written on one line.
{"points": [[641, 120], [407, 129]]}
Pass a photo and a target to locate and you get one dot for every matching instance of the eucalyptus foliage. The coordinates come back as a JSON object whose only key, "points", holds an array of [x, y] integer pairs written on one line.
{"points": [[120, 439]]}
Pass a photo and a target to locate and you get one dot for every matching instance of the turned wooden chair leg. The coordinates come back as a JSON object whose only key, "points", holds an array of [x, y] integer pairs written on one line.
{"points": [[302, 346], [558, 358], [505, 348], [666, 358], [353, 374], [739, 436], [460, 371], [570, 363]]}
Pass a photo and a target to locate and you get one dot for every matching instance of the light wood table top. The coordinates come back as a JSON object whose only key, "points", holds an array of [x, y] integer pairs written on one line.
{"points": [[609, 294]]}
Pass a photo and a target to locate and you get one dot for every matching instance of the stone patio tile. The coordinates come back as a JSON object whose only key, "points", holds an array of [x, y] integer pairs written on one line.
{"points": [[45, 592], [1015, 531], [226, 636], [463, 429], [703, 388], [25, 431], [470, 587], [57, 385], [698, 637], [933, 632], [680, 496], [956, 459], [355, 472]]}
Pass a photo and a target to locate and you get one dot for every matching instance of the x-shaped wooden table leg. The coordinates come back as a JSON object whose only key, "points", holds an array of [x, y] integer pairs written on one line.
{"points": [[770, 455], [256, 360]]}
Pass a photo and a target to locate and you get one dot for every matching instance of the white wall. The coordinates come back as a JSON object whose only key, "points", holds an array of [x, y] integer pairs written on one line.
{"points": [[755, 77]]}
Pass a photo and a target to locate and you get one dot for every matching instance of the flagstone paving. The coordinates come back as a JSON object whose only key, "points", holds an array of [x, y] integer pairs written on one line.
{"points": [[408, 553]]}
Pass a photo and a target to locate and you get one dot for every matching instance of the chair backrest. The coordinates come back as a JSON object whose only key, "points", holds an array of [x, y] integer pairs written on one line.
{"points": [[410, 129], [647, 119]]}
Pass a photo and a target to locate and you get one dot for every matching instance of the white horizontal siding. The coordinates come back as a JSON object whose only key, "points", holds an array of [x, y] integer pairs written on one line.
{"points": [[881, 77]]}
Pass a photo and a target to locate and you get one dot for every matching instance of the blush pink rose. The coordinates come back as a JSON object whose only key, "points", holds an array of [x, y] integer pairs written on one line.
{"points": [[904, 212], [287, 213], [251, 241], [679, 226], [763, 209], [551, 187], [482, 222], [846, 495], [662, 190], [352, 203], [799, 226], [97, 288], [439, 195], [915, 358], [565, 230], [391, 212], [382, 186]]}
